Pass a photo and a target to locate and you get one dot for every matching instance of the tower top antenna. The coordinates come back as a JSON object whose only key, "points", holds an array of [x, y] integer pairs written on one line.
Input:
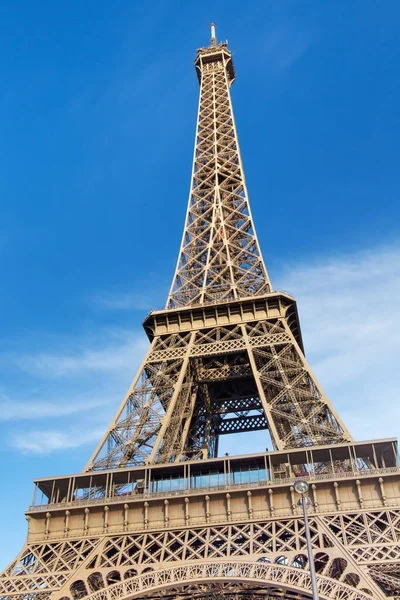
{"points": [[213, 36]]}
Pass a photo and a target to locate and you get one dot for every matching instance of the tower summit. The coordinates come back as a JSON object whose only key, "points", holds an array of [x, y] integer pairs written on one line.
{"points": [[213, 40], [157, 512], [220, 258]]}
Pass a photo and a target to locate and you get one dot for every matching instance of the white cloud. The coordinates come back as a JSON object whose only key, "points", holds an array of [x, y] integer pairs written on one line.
{"points": [[124, 301], [120, 353], [46, 441], [90, 373], [284, 44], [350, 313], [59, 406]]}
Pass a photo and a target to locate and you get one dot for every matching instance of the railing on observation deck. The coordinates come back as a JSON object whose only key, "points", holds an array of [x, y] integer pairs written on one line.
{"points": [[118, 496]]}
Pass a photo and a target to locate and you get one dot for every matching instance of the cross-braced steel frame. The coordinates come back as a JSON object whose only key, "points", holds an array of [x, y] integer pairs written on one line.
{"points": [[220, 258], [226, 356], [196, 386]]}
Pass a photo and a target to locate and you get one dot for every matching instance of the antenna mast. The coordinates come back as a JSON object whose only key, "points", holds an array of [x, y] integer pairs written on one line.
{"points": [[213, 36]]}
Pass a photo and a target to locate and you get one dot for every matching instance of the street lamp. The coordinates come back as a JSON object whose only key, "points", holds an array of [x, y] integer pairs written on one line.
{"points": [[302, 488]]}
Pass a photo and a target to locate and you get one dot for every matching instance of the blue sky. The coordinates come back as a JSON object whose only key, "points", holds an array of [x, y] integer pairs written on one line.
{"points": [[98, 106]]}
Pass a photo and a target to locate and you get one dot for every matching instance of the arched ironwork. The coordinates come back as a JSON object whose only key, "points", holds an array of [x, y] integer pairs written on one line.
{"points": [[289, 579]]}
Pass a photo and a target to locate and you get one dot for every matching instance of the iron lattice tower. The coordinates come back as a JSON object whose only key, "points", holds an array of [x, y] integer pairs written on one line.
{"points": [[156, 513]]}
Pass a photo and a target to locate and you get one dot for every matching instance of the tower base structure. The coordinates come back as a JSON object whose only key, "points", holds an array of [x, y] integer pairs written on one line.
{"points": [[223, 527]]}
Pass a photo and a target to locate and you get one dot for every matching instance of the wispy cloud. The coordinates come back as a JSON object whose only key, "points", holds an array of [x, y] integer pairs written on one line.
{"points": [[46, 441], [350, 317], [283, 45], [124, 301], [60, 406], [82, 374], [119, 353]]}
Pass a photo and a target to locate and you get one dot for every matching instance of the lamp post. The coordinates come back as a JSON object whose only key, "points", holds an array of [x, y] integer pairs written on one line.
{"points": [[302, 488]]}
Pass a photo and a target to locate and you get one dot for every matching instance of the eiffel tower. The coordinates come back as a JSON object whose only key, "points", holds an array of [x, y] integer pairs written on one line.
{"points": [[157, 513]]}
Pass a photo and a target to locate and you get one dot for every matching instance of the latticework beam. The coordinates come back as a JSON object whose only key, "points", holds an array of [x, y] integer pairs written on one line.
{"points": [[156, 514], [220, 258]]}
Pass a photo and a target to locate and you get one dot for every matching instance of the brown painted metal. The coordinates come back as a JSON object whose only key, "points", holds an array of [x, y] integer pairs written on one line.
{"points": [[156, 513]]}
